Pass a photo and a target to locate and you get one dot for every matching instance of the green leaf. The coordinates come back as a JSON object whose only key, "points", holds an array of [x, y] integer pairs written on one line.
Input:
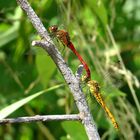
{"points": [[45, 67], [13, 107], [12, 32], [8, 35], [74, 130]]}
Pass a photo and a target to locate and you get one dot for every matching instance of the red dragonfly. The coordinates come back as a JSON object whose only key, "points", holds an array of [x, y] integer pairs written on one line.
{"points": [[64, 37]]}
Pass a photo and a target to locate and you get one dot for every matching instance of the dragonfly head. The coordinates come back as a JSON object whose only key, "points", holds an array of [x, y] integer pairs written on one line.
{"points": [[53, 28]]}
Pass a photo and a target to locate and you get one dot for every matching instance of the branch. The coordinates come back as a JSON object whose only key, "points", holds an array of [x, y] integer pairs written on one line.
{"points": [[69, 77], [41, 118]]}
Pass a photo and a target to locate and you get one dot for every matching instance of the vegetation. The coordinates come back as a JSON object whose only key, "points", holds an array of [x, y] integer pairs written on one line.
{"points": [[106, 33]]}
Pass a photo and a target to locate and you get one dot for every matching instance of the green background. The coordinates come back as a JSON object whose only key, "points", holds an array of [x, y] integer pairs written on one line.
{"points": [[106, 33]]}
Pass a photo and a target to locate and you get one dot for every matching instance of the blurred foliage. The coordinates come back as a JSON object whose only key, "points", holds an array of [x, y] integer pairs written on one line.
{"points": [[106, 33]]}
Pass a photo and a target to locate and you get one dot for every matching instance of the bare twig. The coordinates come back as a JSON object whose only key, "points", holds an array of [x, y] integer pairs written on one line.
{"points": [[79, 71], [41, 118], [71, 80]]}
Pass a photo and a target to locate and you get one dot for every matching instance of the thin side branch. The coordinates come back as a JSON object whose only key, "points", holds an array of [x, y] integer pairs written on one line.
{"points": [[69, 77], [42, 118]]}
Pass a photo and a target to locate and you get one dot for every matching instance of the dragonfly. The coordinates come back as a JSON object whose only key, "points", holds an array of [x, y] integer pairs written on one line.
{"points": [[64, 37], [95, 91], [94, 88]]}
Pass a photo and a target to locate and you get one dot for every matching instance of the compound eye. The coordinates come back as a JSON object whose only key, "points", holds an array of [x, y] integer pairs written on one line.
{"points": [[53, 28]]}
